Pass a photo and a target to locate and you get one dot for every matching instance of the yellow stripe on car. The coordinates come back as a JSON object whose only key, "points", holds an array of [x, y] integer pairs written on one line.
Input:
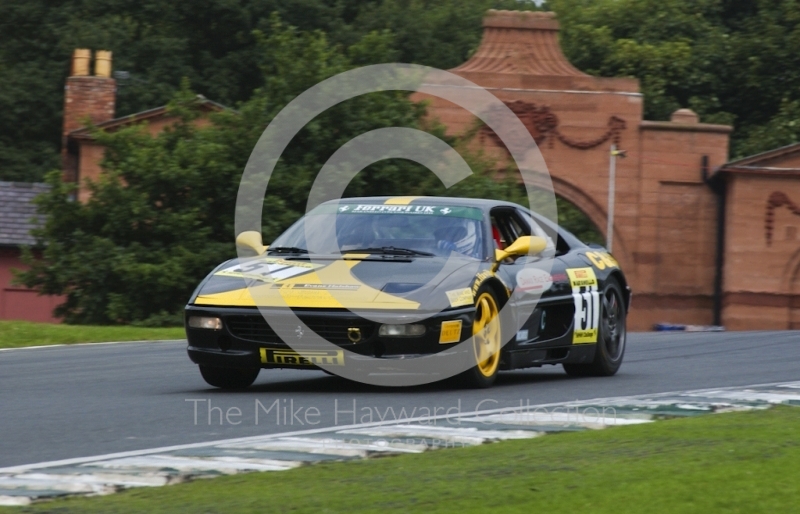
{"points": [[338, 289], [400, 200]]}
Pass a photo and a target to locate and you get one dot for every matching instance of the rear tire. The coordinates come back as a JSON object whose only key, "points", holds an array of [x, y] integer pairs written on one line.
{"points": [[487, 341], [229, 378], [611, 336]]}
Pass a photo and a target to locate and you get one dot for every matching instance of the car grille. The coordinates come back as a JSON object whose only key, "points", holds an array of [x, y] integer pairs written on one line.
{"points": [[335, 330]]}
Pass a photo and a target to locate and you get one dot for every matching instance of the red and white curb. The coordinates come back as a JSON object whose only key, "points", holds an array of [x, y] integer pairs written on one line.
{"points": [[106, 474]]}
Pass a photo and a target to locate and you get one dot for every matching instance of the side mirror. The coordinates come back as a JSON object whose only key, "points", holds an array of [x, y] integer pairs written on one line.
{"points": [[525, 245], [251, 240]]}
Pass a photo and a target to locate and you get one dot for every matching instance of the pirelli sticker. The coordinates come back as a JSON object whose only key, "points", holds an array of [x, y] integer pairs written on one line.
{"points": [[587, 305], [306, 358]]}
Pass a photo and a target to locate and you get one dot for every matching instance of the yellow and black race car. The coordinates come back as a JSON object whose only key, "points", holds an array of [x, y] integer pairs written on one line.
{"points": [[376, 285]]}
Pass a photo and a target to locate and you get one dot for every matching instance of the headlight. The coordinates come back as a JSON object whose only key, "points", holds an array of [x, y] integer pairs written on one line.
{"points": [[207, 323], [401, 330]]}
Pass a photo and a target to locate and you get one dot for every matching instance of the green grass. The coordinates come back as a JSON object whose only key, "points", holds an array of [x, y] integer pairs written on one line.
{"points": [[17, 334], [746, 462]]}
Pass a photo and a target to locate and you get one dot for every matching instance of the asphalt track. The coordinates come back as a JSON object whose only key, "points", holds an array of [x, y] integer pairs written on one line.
{"points": [[76, 401]]}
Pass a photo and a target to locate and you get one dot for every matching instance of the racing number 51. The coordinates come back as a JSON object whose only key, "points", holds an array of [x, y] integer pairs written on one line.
{"points": [[588, 308], [587, 305]]}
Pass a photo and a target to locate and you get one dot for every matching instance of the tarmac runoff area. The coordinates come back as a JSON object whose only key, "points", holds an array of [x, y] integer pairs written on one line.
{"points": [[107, 474]]}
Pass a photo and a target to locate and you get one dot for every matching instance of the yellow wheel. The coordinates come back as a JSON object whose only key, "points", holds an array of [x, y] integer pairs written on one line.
{"points": [[487, 340], [486, 334]]}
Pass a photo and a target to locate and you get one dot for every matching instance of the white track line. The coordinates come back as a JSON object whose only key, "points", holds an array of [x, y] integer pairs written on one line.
{"points": [[426, 419]]}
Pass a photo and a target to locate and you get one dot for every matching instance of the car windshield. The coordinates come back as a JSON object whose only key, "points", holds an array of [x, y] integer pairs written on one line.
{"points": [[386, 229]]}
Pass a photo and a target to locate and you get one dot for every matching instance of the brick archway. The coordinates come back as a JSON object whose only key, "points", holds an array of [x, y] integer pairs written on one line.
{"points": [[665, 211], [594, 211]]}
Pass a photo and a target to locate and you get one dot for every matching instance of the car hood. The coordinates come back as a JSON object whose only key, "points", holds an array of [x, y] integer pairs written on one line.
{"points": [[352, 282]]}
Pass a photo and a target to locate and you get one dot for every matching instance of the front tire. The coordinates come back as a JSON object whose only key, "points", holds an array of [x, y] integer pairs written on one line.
{"points": [[611, 337], [229, 378], [487, 341]]}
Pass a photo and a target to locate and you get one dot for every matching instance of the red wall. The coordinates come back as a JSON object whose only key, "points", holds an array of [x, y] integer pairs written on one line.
{"points": [[18, 302]]}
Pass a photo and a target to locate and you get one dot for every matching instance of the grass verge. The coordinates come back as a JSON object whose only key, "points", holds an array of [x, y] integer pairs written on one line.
{"points": [[741, 462], [18, 334]]}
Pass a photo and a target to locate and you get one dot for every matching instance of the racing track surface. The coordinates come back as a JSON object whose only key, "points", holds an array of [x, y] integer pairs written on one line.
{"points": [[64, 402]]}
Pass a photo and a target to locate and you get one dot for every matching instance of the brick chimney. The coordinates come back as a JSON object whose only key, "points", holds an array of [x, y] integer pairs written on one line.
{"points": [[87, 98]]}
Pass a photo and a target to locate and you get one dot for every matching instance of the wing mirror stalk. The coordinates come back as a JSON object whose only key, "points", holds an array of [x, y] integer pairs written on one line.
{"points": [[525, 245], [251, 240]]}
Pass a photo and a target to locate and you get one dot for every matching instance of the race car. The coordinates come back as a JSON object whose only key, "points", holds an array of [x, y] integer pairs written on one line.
{"points": [[394, 279]]}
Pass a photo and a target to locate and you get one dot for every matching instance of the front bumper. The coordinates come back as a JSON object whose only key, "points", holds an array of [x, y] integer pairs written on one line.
{"points": [[246, 340]]}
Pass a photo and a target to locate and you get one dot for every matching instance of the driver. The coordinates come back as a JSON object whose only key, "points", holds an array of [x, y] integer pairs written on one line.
{"points": [[460, 235]]}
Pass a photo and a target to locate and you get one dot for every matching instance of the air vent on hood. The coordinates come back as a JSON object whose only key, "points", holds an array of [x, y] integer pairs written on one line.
{"points": [[400, 287]]}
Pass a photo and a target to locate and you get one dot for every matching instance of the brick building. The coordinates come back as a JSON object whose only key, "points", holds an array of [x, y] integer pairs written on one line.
{"points": [[17, 218], [761, 241], [88, 99], [93, 98]]}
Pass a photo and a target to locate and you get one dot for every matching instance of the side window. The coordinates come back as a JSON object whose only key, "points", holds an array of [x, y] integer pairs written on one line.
{"points": [[507, 226], [498, 234], [518, 226], [537, 230]]}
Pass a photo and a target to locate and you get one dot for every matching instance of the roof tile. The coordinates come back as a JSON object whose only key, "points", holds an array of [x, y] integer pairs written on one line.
{"points": [[18, 212]]}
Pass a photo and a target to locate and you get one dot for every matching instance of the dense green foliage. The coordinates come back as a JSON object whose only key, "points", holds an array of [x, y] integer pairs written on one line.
{"points": [[730, 60], [214, 43]]}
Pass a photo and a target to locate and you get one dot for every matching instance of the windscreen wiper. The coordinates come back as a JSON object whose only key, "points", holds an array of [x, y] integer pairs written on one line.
{"points": [[391, 250], [286, 249]]}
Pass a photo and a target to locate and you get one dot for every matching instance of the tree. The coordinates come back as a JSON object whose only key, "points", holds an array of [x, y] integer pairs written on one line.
{"points": [[214, 44], [783, 129], [161, 215], [674, 47], [732, 61]]}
